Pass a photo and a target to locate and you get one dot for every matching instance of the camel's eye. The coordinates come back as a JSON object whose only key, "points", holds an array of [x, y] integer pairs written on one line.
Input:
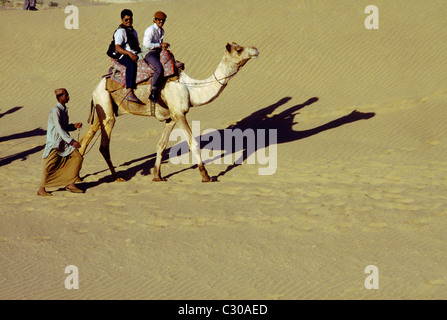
{"points": [[239, 50]]}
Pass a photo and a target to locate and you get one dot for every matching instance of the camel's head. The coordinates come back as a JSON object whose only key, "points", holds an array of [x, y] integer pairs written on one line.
{"points": [[239, 54]]}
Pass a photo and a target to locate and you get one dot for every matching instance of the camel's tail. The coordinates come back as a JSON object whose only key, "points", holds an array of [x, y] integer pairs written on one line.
{"points": [[91, 115], [88, 135]]}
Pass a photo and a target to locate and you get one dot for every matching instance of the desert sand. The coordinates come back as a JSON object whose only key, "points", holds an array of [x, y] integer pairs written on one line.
{"points": [[350, 189]]}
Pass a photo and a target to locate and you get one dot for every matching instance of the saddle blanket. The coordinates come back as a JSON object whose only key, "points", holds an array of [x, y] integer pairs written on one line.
{"points": [[117, 71], [122, 105]]}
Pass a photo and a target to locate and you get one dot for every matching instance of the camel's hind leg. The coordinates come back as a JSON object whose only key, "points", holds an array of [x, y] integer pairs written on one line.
{"points": [[102, 107], [161, 146], [105, 122], [90, 133], [87, 138], [106, 126]]}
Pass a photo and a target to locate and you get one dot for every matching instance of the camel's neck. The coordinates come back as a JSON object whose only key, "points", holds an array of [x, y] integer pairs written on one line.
{"points": [[204, 91]]}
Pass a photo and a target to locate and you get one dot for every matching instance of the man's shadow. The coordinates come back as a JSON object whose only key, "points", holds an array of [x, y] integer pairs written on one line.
{"points": [[20, 155], [282, 122], [27, 134], [12, 110], [24, 154]]}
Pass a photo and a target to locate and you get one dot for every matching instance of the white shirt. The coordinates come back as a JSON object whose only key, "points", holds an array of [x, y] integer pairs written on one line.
{"points": [[153, 37], [121, 39]]}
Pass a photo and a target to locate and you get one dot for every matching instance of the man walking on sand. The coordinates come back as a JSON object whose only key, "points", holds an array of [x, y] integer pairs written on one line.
{"points": [[62, 161]]}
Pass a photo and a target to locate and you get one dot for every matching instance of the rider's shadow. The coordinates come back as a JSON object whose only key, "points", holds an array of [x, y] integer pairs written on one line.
{"points": [[265, 122]]}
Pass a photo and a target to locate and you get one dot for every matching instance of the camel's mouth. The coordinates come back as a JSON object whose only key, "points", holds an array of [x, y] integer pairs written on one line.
{"points": [[254, 53]]}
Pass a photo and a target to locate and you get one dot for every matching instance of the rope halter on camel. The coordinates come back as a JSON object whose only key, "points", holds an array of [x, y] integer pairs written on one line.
{"points": [[209, 83]]}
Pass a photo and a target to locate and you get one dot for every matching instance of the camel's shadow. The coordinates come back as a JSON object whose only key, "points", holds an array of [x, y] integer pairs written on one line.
{"points": [[266, 122], [264, 119]]}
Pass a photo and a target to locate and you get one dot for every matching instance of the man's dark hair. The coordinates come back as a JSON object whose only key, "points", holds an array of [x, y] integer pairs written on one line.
{"points": [[126, 12]]}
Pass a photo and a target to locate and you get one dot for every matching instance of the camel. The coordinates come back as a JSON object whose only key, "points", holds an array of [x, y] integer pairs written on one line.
{"points": [[174, 102]]}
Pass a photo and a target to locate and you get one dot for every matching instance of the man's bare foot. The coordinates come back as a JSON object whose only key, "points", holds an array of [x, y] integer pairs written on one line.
{"points": [[43, 192]]}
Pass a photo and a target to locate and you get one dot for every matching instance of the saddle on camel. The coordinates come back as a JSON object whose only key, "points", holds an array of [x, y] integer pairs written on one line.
{"points": [[116, 80]]}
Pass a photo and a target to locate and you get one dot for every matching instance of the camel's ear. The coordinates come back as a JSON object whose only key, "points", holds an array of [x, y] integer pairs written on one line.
{"points": [[239, 49], [228, 47]]}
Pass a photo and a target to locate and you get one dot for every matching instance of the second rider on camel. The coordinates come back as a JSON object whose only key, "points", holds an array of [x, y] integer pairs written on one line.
{"points": [[154, 42]]}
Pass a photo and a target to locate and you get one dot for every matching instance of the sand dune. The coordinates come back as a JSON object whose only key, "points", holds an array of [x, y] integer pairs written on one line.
{"points": [[360, 178]]}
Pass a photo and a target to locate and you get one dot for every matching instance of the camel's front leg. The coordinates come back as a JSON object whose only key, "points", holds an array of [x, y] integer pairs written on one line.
{"points": [[161, 147], [194, 147]]}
